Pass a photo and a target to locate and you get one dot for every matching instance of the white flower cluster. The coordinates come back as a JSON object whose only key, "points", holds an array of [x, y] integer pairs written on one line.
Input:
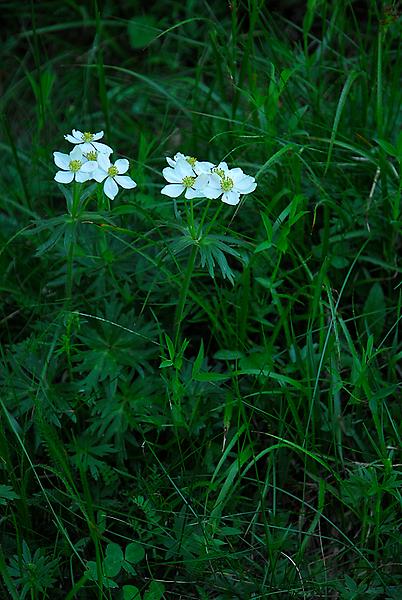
{"points": [[90, 160], [200, 179]]}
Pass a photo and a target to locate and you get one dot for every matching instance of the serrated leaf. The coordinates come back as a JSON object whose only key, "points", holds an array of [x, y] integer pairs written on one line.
{"points": [[7, 493], [50, 242]]}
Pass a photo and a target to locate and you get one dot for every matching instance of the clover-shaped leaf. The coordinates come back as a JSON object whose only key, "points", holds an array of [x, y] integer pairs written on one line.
{"points": [[131, 592], [113, 561], [134, 553]]}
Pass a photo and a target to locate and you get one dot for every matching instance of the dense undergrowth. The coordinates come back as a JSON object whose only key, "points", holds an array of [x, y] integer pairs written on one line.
{"points": [[211, 415]]}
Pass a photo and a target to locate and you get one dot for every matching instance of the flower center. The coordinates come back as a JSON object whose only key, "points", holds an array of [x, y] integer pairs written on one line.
{"points": [[75, 165], [226, 184], [87, 136], [191, 160], [188, 181], [219, 172], [112, 171], [92, 155]]}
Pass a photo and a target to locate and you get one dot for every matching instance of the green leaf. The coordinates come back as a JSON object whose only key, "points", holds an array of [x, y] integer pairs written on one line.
{"points": [[198, 361], [113, 560], [210, 376], [131, 592], [374, 310], [228, 354], [341, 104], [92, 571], [155, 591], [268, 226], [134, 553], [388, 148], [7, 493], [274, 158], [141, 31]]}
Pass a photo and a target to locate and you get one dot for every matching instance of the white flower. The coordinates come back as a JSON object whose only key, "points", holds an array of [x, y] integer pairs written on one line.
{"points": [[172, 161], [113, 175], [198, 166], [228, 183], [88, 141], [93, 155], [74, 166], [181, 177]]}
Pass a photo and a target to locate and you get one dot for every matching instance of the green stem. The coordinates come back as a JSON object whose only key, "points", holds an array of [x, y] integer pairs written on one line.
{"points": [[70, 253], [70, 273], [203, 218], [183, 294], [214, 218]]}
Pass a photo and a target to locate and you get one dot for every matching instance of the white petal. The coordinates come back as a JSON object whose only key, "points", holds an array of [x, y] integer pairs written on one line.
{"points": [[211, 192], [171, 175], [173, 191], [125, 181], [99, 175], [236, 174], [81, 177], [178, 156], [223, 166], [184, 169], [202, 181], [76, 153], [110, 188], [86, 147], [170, 161], [89, 166], [203, 167], [72, 139], [78, 135], [231, 197], [98, 136], [121, 165], [191, 193], [62, 160], [104, 148], [214, 188], [103, 161], [246, 185], [64, 176]]}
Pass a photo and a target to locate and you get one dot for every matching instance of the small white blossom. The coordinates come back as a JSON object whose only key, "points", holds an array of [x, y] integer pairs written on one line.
{"points": [[88, 141], [113, 175], [228, 183], [74, 166], [93, 155], [181, 177], [199, 167]]}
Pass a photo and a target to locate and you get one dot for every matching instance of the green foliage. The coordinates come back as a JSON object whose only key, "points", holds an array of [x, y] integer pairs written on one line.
{"points": [[199, 400], [33, 573]]}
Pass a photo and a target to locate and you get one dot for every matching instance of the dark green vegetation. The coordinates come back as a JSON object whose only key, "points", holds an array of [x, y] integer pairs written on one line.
{"points": [[211, 416]]}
